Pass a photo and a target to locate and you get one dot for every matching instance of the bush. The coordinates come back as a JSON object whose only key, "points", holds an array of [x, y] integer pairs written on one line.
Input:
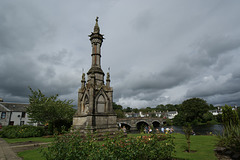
{"points": [[74, 146], [230, 138], [231, 133], [219, 118], [229, 116], [22, 131]]}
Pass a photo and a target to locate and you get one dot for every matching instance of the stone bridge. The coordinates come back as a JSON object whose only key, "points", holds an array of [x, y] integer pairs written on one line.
{"points": [[135, 123]]}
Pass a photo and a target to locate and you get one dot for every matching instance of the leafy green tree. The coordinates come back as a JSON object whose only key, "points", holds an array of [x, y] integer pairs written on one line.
{"points": [[192, 110], [238, 112], [143, 110], [230, 138], [229, 116], [161, 108], [118, 109], [120, 113], [177, 107], [188, 131], [50, 110], [128, 109], [117, 106], [179, 119], [207, 117], [170, 107], [211, 107], [135, 110], [219, 118], [149, 109]]}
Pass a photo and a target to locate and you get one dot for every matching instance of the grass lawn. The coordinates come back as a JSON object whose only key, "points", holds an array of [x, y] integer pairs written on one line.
{"points": [[31, 155], [203, 145], [35, 139]]}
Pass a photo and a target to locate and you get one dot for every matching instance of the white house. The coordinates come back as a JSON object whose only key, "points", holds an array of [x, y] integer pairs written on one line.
{"points": [[215, 112], [171, 114], [14, 114]]}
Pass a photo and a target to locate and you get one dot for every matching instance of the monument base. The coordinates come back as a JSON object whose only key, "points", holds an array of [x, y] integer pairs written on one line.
{"points": [[95, 123]]}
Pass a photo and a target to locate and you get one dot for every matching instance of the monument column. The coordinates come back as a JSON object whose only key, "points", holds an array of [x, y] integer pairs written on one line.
{"points": [[95, 110]]}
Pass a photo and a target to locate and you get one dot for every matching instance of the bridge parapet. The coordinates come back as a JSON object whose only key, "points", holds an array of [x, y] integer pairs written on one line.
{"points": [[134, 122]]}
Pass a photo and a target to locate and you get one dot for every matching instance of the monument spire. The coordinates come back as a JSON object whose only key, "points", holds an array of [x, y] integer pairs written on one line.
{"points": [[96, 40], [95, 111]]}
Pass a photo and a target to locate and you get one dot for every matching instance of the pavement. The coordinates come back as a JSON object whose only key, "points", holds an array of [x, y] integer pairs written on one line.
{"points": [[6, 152]]}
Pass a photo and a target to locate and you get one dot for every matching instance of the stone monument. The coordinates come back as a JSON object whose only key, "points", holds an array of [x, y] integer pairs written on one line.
{"points": [[95, 111]]}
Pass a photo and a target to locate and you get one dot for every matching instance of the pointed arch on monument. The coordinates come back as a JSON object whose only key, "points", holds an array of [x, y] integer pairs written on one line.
{"points": [[101, 101], [85, 103]]}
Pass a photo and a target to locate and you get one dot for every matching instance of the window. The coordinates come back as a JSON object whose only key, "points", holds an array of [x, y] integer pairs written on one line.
{"points": [[11, 123], [23, 114], [3, 115], [21, 123]]}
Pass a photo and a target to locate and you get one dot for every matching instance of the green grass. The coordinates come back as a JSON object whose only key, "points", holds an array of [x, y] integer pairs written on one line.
{"points": [[31, 155], [35, 139], [203, 145]]}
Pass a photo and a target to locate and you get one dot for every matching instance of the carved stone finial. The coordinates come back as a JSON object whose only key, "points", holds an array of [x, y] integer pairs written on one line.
{"points": [[108, 80], [83, 76], [108, 76], [96, 27]]}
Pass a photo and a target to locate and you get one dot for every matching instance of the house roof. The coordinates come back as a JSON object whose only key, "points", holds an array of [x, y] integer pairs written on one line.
{"points": [[16, 107]]}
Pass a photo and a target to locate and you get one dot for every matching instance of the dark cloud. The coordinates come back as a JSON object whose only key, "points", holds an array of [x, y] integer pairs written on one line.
{"points": [[21, 28], [159, 52]]}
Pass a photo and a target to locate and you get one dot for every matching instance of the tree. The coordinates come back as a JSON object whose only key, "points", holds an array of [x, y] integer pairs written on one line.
{"points": [[229, 116], [211, 107], [149, 109], [135, 110], [171, 107], [161, 108], [238, 112], [219, 118], [120, 113], [116, 106], [128, 109], [118, 109], [188, 131], [179, 119], [50, 110], [192, 110], [207, 117]]}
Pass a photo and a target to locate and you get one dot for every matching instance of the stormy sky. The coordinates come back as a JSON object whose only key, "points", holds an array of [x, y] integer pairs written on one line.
{"points": [[159, 51]]}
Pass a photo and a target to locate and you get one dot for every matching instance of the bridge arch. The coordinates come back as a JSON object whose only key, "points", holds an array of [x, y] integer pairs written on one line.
{"points": [[141, 124], [127, 126], [156, 124]]}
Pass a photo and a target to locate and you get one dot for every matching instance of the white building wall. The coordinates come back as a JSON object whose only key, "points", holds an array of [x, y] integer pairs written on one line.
{"points": [[16, 117]]}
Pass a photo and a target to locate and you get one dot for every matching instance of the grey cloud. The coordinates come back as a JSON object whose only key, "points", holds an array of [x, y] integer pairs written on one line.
{"points": [[55, 58], [221, 85], [222, 99], [21, 28], [143, 21], [158, 51]]}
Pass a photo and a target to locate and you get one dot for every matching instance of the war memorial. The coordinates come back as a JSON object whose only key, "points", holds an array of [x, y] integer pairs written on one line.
{"points": [[95, 98]]}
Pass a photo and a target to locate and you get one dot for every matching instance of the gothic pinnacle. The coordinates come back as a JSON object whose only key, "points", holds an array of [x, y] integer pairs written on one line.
{"points": [[96, 27]]}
